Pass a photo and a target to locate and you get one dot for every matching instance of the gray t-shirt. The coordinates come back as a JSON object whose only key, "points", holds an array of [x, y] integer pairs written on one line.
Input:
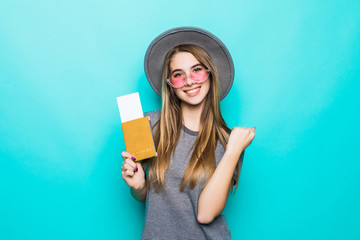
{"points": [[172, 214]]}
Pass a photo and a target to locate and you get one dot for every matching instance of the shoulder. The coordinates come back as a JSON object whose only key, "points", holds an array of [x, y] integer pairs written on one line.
{"points": [[154, 116]]}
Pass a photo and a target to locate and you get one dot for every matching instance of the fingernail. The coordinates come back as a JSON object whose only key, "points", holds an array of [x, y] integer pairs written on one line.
{"points": [[136, 169], [132, 158]]}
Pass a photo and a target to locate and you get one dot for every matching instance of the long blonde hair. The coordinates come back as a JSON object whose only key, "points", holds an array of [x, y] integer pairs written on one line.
{"points": [[213, 127]]}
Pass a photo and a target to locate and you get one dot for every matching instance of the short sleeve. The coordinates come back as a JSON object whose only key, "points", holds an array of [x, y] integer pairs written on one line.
{"points": [[154, 117]]}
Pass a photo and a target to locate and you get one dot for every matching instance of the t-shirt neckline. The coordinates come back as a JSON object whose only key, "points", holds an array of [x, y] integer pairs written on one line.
{"points": [[191, 132]]}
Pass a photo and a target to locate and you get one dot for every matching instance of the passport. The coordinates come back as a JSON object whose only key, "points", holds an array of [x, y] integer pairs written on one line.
{"points": [[138, 138], [136, 128]]}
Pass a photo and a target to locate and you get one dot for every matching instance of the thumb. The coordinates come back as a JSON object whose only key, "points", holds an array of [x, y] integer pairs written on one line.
{"points": [[139, 166]]}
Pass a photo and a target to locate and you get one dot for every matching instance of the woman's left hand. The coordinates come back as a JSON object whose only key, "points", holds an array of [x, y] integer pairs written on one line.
{"points": [[240, 138]]}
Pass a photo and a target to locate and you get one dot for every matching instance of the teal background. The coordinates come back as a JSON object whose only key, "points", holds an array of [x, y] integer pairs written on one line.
{"points": [[63, 63]]}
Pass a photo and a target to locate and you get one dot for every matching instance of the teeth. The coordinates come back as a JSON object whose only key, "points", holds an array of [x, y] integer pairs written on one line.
{"points": [[193, 90]]}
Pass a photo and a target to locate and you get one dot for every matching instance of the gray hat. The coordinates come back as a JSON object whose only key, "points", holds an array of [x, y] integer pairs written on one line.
{"points": [[159, 47]]}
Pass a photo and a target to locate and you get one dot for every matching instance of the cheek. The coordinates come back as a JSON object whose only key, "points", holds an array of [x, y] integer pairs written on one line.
{"points": [[178, 93], [206, 86]]}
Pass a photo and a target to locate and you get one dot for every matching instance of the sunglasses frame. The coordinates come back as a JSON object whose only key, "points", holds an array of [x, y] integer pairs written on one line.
{"points": [[186, 77]]}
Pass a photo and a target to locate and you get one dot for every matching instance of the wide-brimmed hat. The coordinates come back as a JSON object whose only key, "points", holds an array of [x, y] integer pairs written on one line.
{"points": [[160, 46]]}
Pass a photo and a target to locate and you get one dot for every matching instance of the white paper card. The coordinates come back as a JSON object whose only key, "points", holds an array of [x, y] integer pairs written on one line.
{"points": [[130, 107]]}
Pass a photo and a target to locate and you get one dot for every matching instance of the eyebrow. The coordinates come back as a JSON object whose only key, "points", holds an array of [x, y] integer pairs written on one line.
{"points": [[175, 70]]}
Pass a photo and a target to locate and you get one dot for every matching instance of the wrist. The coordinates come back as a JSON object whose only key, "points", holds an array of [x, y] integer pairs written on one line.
{"points": [[234, 154], [139, 188]]}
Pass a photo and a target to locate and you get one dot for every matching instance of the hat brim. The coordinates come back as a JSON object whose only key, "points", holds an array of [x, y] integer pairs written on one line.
{"points": [[159, 47]]}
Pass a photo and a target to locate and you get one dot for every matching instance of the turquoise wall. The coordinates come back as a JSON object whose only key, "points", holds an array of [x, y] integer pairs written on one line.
{"points": [[297, 74]]}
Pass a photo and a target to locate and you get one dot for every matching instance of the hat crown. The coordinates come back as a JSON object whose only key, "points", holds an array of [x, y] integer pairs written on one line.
{"points": [[160, 46]]}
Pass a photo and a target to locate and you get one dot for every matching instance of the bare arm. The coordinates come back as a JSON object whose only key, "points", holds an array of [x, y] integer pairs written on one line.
{"points": [[213, 198], [139, 194]]}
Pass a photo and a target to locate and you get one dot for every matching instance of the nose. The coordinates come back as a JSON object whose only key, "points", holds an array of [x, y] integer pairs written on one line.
{"points": [[188, 80]]}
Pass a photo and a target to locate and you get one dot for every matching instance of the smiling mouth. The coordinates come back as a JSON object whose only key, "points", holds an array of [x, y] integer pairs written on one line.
{"points": [[194, 90]]}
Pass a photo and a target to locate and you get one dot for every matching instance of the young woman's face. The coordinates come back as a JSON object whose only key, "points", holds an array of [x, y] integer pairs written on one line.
{"points": [[191, 93]]}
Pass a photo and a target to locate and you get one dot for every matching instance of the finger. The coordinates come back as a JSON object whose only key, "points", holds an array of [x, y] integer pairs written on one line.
{"points": [[129, 173], [128, 155], [127, 166], [252, 129], [130, 162], [139, 166]]}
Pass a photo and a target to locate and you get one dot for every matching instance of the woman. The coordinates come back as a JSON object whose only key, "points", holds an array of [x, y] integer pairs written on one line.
{"points": [[186, 186]]}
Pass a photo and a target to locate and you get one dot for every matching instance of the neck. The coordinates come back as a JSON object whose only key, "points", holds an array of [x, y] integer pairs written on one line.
{"points": [[191, 116]]}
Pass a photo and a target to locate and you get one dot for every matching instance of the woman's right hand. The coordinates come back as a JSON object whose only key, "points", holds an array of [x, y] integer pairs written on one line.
{"points": [[132, 172]]}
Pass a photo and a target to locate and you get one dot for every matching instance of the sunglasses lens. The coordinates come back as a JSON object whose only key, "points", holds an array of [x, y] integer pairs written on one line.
{"points": [[199, 76], [177, 81]]}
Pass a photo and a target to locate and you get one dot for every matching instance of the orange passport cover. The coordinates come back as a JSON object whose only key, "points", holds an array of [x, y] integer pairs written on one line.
{"points": [[138, 138]]}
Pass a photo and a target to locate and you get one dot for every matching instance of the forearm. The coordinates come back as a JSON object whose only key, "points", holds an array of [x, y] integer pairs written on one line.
{"points": [[139, 194], [213, 198]]}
